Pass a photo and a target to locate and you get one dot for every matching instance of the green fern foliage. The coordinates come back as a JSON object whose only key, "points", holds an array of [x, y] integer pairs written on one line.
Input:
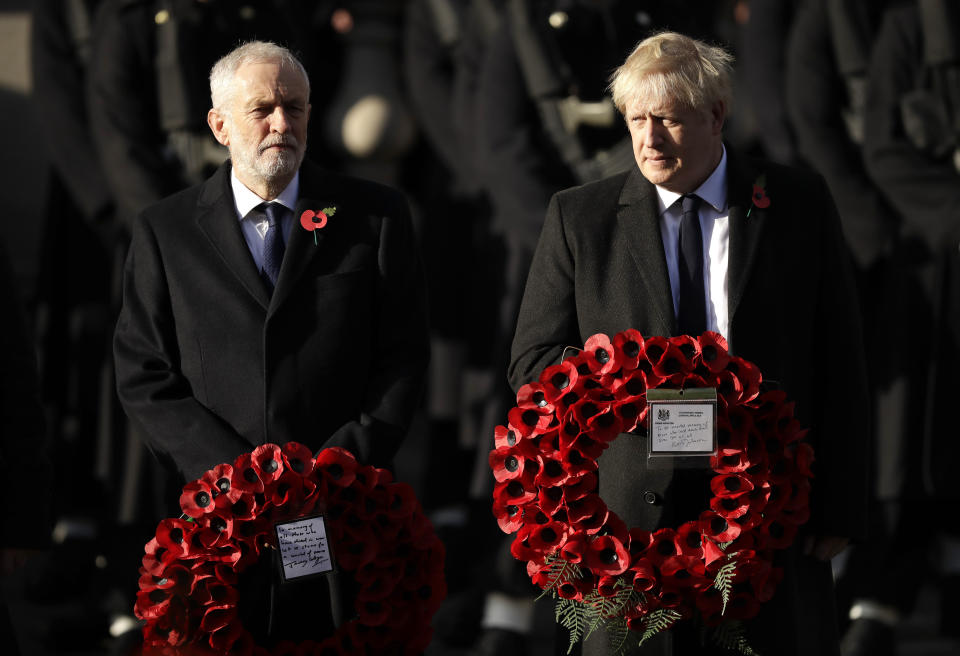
{"points": [[724, 582], [657, 621], [732, 636]]}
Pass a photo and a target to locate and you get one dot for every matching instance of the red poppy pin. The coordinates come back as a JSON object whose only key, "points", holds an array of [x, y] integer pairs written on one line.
{"points": [[759, 197], [314, 220]]}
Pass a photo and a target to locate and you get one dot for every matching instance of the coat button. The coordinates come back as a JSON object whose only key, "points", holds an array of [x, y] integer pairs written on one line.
{"points": [[650, 497]]}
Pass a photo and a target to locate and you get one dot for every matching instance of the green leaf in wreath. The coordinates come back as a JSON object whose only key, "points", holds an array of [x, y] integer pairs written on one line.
{"points": [[732, 636], [657, 621]]}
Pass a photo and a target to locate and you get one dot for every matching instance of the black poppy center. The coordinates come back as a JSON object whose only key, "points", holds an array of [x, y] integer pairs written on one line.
{"points": [[608, 556], [202, 499], [709, 353], [223, 485], [296, 464], [631, 349], [511, 464], [176, 535], [602, 356], [553, 469], [560, 381], [515, 489], [732, 484], [548, 535], [270, 466], [250, 475], [718, 525], [335, 471], [666, 548]]}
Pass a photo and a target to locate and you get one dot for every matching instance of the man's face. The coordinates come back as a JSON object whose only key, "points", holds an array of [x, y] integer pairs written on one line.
{"points": [[675, 147], [265, 125]]}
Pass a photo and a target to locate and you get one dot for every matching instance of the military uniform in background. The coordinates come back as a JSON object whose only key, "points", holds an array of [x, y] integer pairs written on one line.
{"points": [[911, 138]]}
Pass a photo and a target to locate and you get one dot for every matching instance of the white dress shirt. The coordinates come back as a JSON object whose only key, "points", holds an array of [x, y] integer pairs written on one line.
{"points": [[715, 225], [255, 225]]}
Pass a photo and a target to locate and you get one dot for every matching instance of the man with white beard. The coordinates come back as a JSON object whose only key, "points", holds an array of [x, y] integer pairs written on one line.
{"points": [[276, 301]]}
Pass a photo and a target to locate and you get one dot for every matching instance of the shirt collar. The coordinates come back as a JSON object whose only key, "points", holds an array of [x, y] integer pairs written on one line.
{"points": [[246, 200], [713, 191]]}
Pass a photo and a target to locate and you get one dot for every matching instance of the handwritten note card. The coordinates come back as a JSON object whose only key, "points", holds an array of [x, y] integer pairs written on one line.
{"points": [[304, 550], [681, 428]]}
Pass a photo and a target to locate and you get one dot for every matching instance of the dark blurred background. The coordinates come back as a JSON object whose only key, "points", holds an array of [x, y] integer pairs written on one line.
{"points": [[478, 110]]}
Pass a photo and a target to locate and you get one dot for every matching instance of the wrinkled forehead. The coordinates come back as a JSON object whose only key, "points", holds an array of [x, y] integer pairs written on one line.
{"points": [[267, 78]]}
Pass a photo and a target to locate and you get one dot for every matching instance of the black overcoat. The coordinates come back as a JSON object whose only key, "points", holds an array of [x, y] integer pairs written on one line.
{"points": [[600, 268], [210, 365]]}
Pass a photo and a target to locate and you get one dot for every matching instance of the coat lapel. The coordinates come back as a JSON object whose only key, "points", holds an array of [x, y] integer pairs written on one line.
{"points": [[303, 244], [217, 219], [744, 230], [638, 213]]}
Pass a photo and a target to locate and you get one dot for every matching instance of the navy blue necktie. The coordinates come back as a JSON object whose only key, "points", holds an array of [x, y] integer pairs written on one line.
{"points": [[273, 242], [692, 310]]}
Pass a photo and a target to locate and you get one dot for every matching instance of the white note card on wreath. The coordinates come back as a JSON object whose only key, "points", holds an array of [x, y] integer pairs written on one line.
{"points": [[304, 548]]}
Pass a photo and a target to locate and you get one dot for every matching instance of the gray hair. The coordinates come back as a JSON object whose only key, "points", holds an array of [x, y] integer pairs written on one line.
{"points": [[672, 67], [252, 52]]}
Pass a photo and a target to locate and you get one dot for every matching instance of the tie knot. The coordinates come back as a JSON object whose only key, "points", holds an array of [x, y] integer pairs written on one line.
{"points": [[273, 212], [689, 203]]}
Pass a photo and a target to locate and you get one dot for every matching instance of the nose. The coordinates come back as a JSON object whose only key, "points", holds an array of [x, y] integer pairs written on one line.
{"points": [[278, 120], [650, 133]]}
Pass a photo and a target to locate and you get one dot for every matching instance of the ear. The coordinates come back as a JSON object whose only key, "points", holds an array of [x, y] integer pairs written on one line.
{"points": [[218, 125], [718, 113]]}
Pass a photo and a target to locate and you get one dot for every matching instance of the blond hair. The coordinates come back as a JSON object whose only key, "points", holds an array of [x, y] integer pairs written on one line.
{"points": [[252, 52], [672, 67]]}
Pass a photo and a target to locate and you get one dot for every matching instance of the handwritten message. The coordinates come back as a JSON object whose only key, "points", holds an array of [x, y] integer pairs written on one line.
{"points": [[683, 428], [303, 546]]}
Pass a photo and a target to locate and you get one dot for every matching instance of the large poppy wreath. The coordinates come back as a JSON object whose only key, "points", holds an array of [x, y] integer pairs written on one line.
{"points": [[188, 582], [718, 566]]}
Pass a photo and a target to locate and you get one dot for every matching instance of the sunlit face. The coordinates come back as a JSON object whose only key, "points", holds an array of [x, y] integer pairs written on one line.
{"points": [[676, 148], [265, 124]]}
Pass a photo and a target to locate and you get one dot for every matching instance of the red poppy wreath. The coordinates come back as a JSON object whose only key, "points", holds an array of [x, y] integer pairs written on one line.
{"points": [[634, 582], [378, 532]]}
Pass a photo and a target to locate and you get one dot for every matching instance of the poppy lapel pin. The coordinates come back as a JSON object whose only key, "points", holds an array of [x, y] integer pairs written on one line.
{"points": [[759, 197], [314, 220]]}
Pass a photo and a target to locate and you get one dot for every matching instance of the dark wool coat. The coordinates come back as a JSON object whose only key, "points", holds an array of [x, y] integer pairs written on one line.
{"points": [[600, 268], [210, 365]]}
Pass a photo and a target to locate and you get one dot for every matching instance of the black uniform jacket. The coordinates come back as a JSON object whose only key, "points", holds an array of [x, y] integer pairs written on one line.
{"points": [[211, 365], [600, 267]]}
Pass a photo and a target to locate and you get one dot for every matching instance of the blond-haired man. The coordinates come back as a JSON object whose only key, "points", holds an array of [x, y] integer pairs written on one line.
{"points": [[678, 246]]}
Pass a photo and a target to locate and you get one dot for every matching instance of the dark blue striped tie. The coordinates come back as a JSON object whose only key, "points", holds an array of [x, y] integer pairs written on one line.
{"points": [[273, 242], [692, 310]]}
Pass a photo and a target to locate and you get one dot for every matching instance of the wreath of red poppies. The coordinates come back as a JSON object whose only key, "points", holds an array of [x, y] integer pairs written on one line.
{"points": [[545, 464], [188, 582]]}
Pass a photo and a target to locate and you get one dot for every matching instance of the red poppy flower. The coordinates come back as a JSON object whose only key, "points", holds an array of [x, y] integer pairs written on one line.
{"points": [[338, 466], [574, 550], [717, 528], [607, 586], [197, 499], [748, 375], [246, 476], [534, 395], [313, 219], [298, 458], [663, 544], [510, 462], [605, 425], [683, 572], [547, 537], [559, 380], [742, 606], [518, 491], [552, 473], [645, 575], [671, 361], [174, 535], [577, 461], [218, 480], [601, 355], [690, 540], [588, 513], [760, 198], [714, 351], [730, 485], [628, 347], [527, 421], [730, 507], [607, 555]]}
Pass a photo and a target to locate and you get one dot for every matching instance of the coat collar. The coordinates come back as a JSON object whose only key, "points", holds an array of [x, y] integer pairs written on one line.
{"points": [[216, 217], [639, 212]]}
